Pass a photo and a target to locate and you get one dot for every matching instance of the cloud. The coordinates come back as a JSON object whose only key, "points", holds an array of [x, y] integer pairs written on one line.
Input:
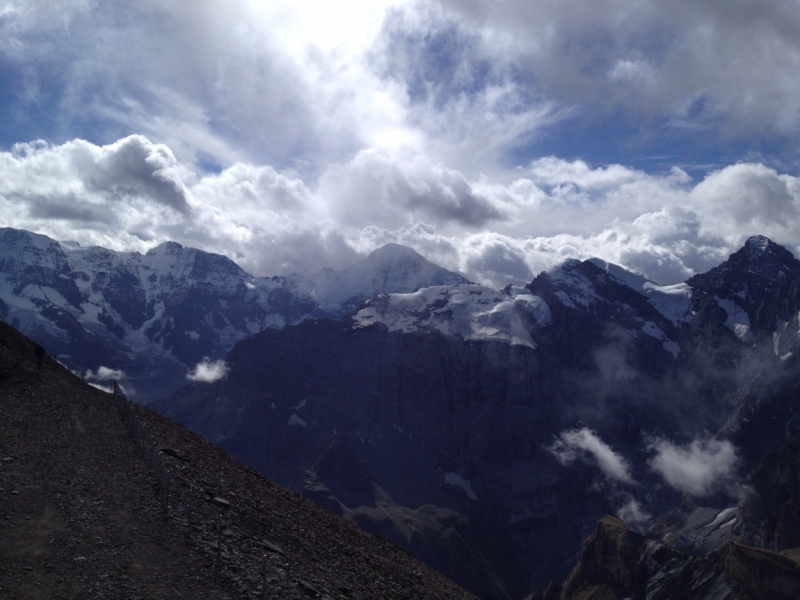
{"points": [[105, 374], [208, 372], [373, 189], [293, 136], [585, 445], [700, 468], [654, 59], [133, 194], [632, 513]]}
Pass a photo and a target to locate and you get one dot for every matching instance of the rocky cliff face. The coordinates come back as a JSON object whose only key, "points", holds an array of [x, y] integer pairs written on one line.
{"points": [[618, 563], [757, 558]]}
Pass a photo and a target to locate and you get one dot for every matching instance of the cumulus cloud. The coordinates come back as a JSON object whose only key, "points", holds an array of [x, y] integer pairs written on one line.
{"points": [[700, 468], [207, 371], [585, 445], [133, 194], [374, 189]]}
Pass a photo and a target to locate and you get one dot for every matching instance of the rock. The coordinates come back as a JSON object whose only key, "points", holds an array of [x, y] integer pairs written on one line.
{"points": [[272, 547], [761, 573]]}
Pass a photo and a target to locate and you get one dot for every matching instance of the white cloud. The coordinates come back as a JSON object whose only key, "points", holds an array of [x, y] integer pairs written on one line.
{"points": [[585, 445], [700, 468], [105, 374], [133, 194], [207, 371]]}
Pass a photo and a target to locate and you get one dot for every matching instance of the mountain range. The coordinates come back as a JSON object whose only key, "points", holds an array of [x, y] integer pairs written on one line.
{"points": [[150, 319], [484, 430]]}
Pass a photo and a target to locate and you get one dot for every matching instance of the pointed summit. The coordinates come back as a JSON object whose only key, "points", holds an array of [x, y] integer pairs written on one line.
{"points": [[394, 268], [758, 285], [392, 252], [758, 247]]}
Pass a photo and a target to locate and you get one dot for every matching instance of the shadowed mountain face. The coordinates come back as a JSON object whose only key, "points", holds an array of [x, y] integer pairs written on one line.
{"points": [[747, 552], [431, 419], [484, 430]]}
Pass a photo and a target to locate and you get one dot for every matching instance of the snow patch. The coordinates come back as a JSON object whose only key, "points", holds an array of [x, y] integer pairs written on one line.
{"points": [[672, 347], [672, 301], [573, 287], [295, 420], [633, 280], [654, 330], [738, 321], [472, 312], [456, 479]]}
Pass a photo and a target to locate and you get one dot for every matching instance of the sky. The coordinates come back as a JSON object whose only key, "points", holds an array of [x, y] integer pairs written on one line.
{"points": [[497, 138]]}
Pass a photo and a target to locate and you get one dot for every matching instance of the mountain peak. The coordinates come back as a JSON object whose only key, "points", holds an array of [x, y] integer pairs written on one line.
{"points": [[760, 274], [393, 251], [394, 268], [758, 246], [167, 247]]}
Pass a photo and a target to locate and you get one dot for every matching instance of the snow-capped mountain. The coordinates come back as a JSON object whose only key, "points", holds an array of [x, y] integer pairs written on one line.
{"points": [[430, 416], [389, 269], [472, 312], [154, 316], [425, 407]]}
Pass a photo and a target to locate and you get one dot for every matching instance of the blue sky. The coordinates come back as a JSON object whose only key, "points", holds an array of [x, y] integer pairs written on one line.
{"points": [[496, 138]]}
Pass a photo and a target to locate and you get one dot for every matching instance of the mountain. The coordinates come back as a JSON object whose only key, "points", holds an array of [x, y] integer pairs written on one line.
{"points": [[435, 417], [155, 316], [83, 515], [390, 269], [485, 431], [740, 553]]}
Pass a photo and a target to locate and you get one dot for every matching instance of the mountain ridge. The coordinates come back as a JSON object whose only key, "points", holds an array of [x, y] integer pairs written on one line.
{"points": [[96, 307], [411, 404]]}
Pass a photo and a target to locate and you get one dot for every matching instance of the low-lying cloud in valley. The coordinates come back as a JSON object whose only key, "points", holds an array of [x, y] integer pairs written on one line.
{"points": [[702, 467], [585, 445], [207, 371]]}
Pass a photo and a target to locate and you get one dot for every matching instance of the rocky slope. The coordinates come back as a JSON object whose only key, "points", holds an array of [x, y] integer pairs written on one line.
{"points": [[618, 563], [483, 430], [81, 516], [748, 551]]}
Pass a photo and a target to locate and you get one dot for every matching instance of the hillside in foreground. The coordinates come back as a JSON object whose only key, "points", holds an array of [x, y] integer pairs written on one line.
{"points": [[82, 515]]}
